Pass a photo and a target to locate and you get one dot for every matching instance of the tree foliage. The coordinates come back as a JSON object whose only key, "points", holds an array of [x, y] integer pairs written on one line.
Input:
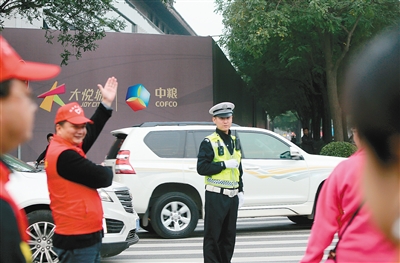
{"points": [[286, 121], [291, 51], [76, 24], [338, 149]]}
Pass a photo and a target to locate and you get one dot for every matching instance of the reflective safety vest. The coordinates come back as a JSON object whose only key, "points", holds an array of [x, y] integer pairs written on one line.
{"points": [[227, 178], [76, 208]]}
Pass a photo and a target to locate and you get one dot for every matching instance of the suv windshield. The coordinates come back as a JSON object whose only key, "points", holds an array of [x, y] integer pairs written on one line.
{"points": [[18, 165], [119, 140]]}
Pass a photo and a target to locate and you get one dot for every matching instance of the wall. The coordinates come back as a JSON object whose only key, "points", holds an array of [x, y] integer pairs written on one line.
{"points": [[159, 62], [228, 86], [185, 76]]}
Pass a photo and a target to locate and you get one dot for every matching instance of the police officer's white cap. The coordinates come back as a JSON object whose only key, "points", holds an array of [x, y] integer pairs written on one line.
{"points": [[223, 109]]}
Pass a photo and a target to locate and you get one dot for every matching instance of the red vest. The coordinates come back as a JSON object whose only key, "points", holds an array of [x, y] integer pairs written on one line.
{"points": [[20, 215], [76, 208]]}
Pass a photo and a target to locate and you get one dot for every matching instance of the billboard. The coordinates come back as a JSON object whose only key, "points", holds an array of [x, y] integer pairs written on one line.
{"points": [[160, 77]]}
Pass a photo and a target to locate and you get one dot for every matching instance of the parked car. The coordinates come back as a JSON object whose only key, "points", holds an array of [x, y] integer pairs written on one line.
{"points": [[28, 186], [157, 161]]}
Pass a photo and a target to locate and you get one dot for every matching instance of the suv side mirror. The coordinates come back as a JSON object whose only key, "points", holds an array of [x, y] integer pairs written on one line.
{"points": [[295, 154]]}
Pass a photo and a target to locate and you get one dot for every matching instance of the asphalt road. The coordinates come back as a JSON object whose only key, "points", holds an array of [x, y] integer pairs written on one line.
{"points": [[270, 239]]}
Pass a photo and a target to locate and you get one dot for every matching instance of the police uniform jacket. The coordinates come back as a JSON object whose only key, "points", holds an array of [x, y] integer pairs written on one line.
{"points": [[206, 164]]}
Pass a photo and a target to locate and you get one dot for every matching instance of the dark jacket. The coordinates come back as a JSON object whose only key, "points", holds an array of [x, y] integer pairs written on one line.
{"points": [[307, 144], [42, 155]]}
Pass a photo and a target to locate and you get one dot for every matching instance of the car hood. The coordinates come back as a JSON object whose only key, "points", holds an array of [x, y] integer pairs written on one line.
{"points": [[324, 160], [31, 188]]}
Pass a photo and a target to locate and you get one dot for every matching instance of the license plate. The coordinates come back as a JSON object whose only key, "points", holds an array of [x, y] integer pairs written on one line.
{"points": [[137, 224]]}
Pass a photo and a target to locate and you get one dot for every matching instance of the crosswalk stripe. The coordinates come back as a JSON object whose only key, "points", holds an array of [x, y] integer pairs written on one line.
{"points": [[199, 251], [254, 222], [276, 259], [238, 237], [254, 246], [238, 243]]}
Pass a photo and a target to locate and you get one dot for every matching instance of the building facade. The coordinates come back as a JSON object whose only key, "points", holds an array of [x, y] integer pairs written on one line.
{"points": [[147, 17], [183, 75]]}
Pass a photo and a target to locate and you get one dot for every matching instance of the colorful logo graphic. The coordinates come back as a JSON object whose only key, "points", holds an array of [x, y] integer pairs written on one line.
{"points": [[51, 96], [137, 97]]}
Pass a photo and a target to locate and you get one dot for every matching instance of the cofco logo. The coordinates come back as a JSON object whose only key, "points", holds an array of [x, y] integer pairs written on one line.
{"points": [[163, 104], [168, 93]]}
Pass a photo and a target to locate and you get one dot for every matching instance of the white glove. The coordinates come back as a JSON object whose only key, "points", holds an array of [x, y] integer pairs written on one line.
{"points": [[232, 163], [241, 199]]}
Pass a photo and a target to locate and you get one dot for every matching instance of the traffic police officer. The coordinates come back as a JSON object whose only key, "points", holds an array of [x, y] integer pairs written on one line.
{"points": [[219, 161]]}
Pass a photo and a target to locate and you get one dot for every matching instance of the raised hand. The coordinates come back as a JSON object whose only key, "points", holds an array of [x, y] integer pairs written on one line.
{"points": [[109, 91]]}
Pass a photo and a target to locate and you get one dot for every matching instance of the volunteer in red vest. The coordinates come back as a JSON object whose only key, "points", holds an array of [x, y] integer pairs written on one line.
{"points": [[17, 111], [73, 180]]}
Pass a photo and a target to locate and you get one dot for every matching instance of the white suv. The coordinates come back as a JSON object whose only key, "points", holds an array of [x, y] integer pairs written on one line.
{"points": [[157, 161], [28, 186]]}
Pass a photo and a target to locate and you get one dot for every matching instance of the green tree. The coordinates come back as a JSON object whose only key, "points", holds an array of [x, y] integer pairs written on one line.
{"points": [[286, 121], [298, 47], [77, 25]]}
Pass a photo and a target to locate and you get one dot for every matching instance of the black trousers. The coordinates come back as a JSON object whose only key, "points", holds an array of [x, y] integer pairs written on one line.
{"points": [[219, 227]]}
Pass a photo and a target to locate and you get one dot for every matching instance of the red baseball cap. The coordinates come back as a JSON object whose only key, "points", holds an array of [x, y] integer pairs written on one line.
{"points": [[12, 68], [72, 113]]}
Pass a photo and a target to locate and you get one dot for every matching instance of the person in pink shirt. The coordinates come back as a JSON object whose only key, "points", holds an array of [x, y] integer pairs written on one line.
{"points": [[340, 198], [372, 92]]}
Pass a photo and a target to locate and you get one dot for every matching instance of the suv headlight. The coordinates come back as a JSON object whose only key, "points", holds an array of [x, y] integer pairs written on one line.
{"points": [[104, 196]]}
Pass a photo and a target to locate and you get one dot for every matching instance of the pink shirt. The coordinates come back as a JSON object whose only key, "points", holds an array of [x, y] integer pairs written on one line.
{"points": [[339, 199]]}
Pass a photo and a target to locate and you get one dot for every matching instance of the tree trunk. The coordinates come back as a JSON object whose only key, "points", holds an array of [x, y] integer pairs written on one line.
{"points": [[315, 120], [331, 85], [334, 105], [326, 119], [345, 128]]}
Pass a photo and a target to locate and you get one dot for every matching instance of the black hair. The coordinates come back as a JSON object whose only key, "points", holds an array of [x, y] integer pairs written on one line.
{"points": [[5, 88], [373, 92], [49, 135], [61, 123]]}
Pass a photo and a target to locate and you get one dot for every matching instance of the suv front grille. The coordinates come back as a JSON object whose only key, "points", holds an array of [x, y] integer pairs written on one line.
{"points": [[126, 200], [114, 226]]}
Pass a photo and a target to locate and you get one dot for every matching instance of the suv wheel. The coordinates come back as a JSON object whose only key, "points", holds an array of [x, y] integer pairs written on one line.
{"points": [[174, 215], [41, 230]]}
